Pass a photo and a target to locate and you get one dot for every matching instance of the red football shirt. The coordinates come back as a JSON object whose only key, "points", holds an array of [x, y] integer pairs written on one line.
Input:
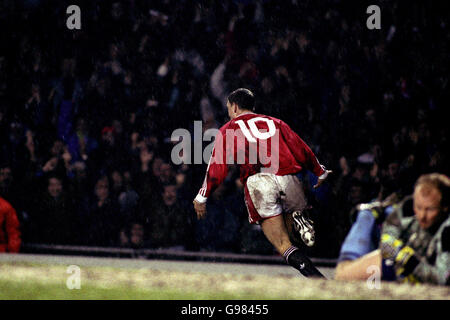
{"points": [[9, 228], [257, 143]]}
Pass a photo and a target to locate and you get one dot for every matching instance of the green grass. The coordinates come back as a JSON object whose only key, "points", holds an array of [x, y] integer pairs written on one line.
{"points": [[27, 281], [11, 290]]}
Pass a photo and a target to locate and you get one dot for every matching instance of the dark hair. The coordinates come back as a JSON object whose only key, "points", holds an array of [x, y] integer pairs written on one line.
{"points": [[54, 175], [244, 98]]}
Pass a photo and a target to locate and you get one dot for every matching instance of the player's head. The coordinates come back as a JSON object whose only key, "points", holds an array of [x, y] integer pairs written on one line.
{"points": [[431, 197], [240, 100]]}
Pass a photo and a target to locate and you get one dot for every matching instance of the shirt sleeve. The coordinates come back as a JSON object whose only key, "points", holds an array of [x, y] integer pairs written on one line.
{"points": [[392, 226], [302, 152], [217, 169]]}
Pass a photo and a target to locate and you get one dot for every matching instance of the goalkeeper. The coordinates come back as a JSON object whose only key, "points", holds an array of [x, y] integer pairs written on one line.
{"points": [[414, 246]]}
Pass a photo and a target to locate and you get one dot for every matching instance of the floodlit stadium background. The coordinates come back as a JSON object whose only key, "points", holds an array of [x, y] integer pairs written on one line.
{"points": [[86, 115]]}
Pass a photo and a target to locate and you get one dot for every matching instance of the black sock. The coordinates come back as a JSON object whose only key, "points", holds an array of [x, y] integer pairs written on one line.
{"points": [[295, 258]]}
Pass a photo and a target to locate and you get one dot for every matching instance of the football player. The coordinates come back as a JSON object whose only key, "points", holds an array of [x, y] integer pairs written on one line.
{"points": [[269, 155]]}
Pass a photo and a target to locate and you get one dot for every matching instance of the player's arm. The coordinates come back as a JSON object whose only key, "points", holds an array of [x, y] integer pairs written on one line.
{"points": [[303, 154], [391, 240], [215, 174], [410, 265], [422, 270], [406, 263]]}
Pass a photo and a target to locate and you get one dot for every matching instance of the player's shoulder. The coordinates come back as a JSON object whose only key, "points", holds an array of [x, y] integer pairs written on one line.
{"points": [[5, 205], [226, 126]]}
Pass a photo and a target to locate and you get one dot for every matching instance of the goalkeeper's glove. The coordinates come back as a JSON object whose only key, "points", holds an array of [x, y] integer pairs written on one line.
{"points": [[406, 261], [390, 246], [404, 257]]}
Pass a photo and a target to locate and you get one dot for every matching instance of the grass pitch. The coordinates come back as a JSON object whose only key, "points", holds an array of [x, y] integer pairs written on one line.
{"points": [[29, 281]]}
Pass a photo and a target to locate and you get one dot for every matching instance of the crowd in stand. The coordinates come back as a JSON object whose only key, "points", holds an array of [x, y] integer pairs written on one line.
{"points": [[86, 115]]}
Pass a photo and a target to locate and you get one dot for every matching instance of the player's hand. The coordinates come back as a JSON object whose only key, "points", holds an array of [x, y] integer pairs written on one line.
{"points": [[50, 165], [390, 246], [405, 261], [200, 209], [320, 181]]}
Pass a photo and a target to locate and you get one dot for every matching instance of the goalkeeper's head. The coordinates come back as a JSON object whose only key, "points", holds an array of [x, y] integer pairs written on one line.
{"points": [[431, 199]]}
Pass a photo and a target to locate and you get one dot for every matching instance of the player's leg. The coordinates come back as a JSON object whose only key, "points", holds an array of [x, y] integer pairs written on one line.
{"points": [[359, 240], [358, 269], [275, 231], [262, 195], [295, 204]]}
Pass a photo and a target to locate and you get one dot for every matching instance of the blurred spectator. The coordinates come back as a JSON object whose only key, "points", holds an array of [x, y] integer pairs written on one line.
{"points": [[224, 229], [9, 228], [117, 186], [133, 236], [6, 182], [52, 218], [123, 192], [108, 155], [35, 113], [170, 224], [105, 220], [87, 103], [79, 142], [166, 173], [56, 161]]}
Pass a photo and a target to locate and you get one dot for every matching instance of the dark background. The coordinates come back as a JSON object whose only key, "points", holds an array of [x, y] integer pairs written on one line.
{"points": [[86, 115]]}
